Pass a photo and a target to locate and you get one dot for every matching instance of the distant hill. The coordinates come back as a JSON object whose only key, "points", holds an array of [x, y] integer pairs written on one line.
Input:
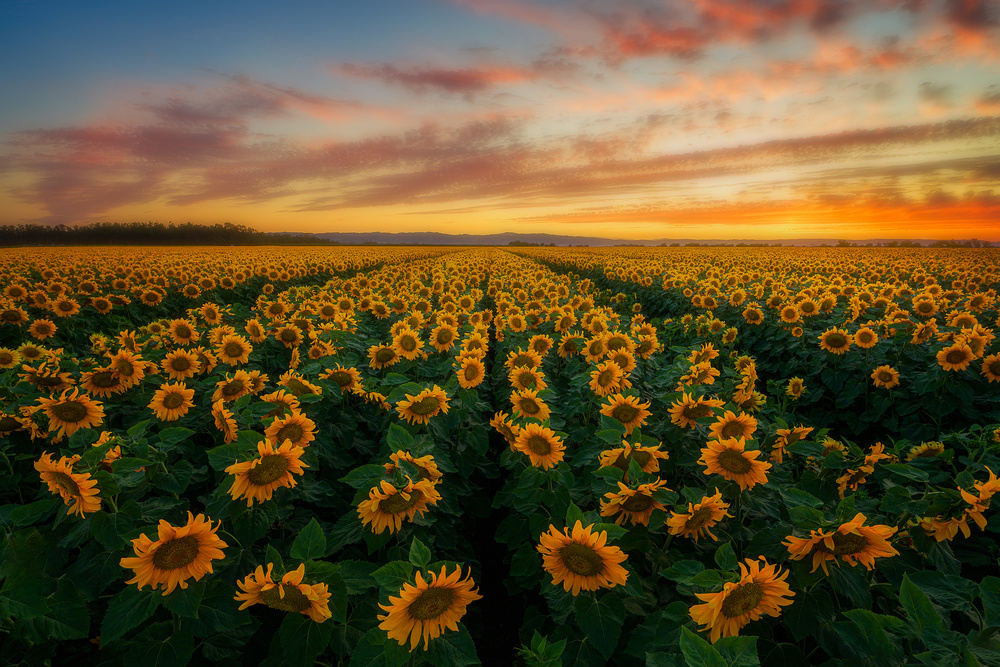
{"points": [[503, 239]]}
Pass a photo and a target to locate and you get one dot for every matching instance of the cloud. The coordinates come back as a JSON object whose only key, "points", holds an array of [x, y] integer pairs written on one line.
{"points": [[466, 81], [935, 92]]}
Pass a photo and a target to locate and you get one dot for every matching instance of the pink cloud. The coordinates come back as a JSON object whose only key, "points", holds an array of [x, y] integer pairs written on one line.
{"points": [[464, 81]]}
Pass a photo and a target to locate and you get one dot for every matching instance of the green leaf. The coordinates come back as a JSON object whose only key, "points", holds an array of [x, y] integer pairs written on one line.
{"points": [[725, 557], [67, 618], [310, 543], [850, 582], [109, 528], [254, 523], [453, 649], [375, 649], [185, 601], [682, 571], [357, 575], [32, 513], [303, 639], [573, 514], [393, 575], [698, 652], [271, 555], [364, 477], [127, 610], [797, 497], [399, 438], [919, 608], [866, 636], [173, 651], [420, 554], [948, 590], [171, 436], [907, 471], [989, 591], [613, 531], [177, 477], [738, 651], [23, 598], [136, 431], [601, 621]]}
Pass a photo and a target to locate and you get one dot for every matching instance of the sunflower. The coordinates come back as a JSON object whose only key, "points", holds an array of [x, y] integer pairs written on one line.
{"points": [[443, 337], [172, 401], [955, 358], [540, 344], [790, 314], [703, 373], [581, 560], [541, 445], [852, 478], [788, 436], [885, 376], [298, 385], [224, 421], [387, 506], [520, 357], [282, 401], [346, 378], [926, 450], [13, 315], [636, 505], [77, 489], [183, 332], [128, 367], [419, 408], [524, 377], [232, 388], [990, 368], [472, 373], [852, 542], [760, 590], [424, 610], [71, 412], [296, 427], [505, 427], [233, 350], [699, 517], [796, 387], [290, 595], [526, 404], [180, 364], [42, 329], [180, 553], [648, 458], [607, 378], [407, 344], [627, 410], [836, 341], [272, 469], [865, 338], [425, 465], [9, 358], [730, 459], [688, 410], [288, 335], [730, 425], [382, 356], [101, 382]]}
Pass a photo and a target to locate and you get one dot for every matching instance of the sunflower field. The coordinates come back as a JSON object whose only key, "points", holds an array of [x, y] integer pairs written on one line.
{"points": [[534, 456]]}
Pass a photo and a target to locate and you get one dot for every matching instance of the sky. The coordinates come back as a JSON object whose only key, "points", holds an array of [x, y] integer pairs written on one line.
{"points": [[640, 119]]}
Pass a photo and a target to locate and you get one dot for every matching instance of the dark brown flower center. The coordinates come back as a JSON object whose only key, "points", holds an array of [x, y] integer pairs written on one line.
{"points": [[384, 355], [269, 469], [292, 431], [994, 367], [180, 364], [581, 559], [173, 400], [539, 445], [125, 368], [641, 457], [397, 504], [233, 388], [836, 340], [528, 406], [885, 376], [233, 349], [431, 603], [734, 462], [625, 413], [697, 411], [742, 599], [342, 378], [471, 372], [289, 335], [70, 412], [8, 423], [426, 406], [733, 429], [845, 544], [176, 553], [66, 483], [606, 377], [955, 357], [297, 387], [637, 503], [104, 380], [11, 315], [698, 518], [293, 601], [522, 360], [408, 343], [445, 336]]}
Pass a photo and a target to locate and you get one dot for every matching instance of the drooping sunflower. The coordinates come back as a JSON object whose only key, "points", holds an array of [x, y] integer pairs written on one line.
{"points": [[885, 376], [836, 341], [688, 410], [407, 344], [505, 427], [699, 517], [289, 595], [730, 425], [424, 610], [851, 542], [760, 590], [703, 373], [471, 373], [298, 385], [172, 401], [296, 427], [233, 350], [926, 450], [628, 410], [581, 560], [180, 365], [224, 421], [527, 404], [730, 459], [76, 489], [541, 445], [852, 478], [788, 436], [425, 465], [957, 357], [636, 505], [419, 408], [231, 388], [271, 470], [179, 553], [386, 506], [71, 412], [346, 378], [648, 458]]}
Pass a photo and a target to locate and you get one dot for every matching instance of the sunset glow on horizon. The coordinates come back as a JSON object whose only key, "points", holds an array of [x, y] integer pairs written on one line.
{"points": [[646, 119]]}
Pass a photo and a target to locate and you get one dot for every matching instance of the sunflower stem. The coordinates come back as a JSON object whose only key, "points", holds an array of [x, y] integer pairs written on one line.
{"points": [[113, 503]]}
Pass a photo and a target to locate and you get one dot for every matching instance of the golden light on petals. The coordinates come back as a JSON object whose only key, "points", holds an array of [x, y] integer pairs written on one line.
{"points": [[581, 559], [422, 611]]}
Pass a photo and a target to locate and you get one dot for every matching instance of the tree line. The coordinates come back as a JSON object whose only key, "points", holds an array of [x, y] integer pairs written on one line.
{"points": [[149, 233]]}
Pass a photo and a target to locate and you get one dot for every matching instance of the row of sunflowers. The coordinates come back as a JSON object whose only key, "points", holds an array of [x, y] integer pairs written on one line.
{"points": [[435, 455]]}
